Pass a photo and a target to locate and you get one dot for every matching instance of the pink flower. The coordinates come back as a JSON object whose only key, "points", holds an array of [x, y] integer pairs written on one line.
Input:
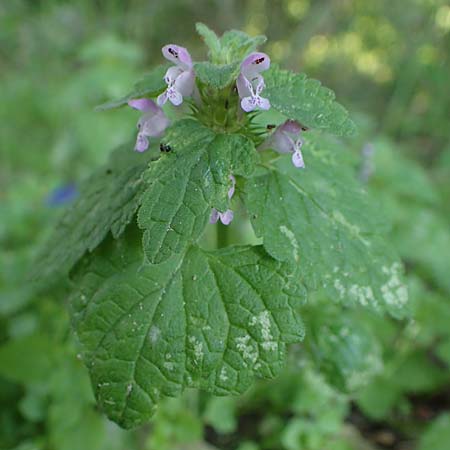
{"points": [[180, 78], [228, 215], [250, 83], [152, 123], [286, 139]]}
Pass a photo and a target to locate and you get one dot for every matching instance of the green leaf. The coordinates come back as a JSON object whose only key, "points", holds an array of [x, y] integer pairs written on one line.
{"points": [[417, 210], [210, 39], [70, 391], [221, 413], [151, 85], [343, 349], [400, 176], [430, 233], [322, 219], [176, 426], [107, 202], [236, 45], [307, 101], [380, 397], [232, 47], [437, 435], [217, 76], [443, 351], [186, 183], [28, 360], [213, 320]]}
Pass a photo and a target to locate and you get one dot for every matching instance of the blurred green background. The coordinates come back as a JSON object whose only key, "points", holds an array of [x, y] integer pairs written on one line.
{"points": [[389, 64]]}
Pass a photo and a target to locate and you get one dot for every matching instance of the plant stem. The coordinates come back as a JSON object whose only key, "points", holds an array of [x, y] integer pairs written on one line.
{"points": [[222, 235]]}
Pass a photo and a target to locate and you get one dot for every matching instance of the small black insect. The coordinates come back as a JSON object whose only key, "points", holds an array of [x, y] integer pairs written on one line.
{"points": [[303, 127], [165, 148], [271, 126]]}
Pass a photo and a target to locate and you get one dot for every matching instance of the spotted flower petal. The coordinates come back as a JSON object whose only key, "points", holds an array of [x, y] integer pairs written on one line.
{"points": [[180, 78], [254, 100], [254, 64], [178, 55], [297, 159], [250, 83]]}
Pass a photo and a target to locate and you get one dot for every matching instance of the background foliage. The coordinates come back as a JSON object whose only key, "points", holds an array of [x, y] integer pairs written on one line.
{"points": [[359, 381]]}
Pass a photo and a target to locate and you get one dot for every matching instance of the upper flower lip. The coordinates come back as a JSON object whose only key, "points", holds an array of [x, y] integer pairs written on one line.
{"points": [[255, 63], [178, 55], [144, 105]]}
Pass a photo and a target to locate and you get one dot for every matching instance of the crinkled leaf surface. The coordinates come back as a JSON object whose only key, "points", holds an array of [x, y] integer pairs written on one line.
{"points": [[307, 101], [210, 39], [106, 203], [186, 183], [236, 45], [231, 47], [213, 320], [150, 85], [322, 219], [217, 76]]}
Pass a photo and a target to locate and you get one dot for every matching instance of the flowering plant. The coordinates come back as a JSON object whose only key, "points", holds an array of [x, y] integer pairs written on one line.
{"points": [[154, 310]]}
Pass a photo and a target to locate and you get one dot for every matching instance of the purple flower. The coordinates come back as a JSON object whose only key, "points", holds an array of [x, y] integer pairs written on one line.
{"points": [[286, 139], [62, 195], [250, 82], [180, 78], [228, 215], [152, 123]]}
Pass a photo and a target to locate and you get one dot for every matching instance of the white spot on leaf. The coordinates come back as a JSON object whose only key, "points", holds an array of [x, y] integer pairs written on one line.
{"points": [[168, 365], [198, 348], [263, 320], [247, 350], [154, 334], [394, 291], [290, 235], [223, 374]]}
